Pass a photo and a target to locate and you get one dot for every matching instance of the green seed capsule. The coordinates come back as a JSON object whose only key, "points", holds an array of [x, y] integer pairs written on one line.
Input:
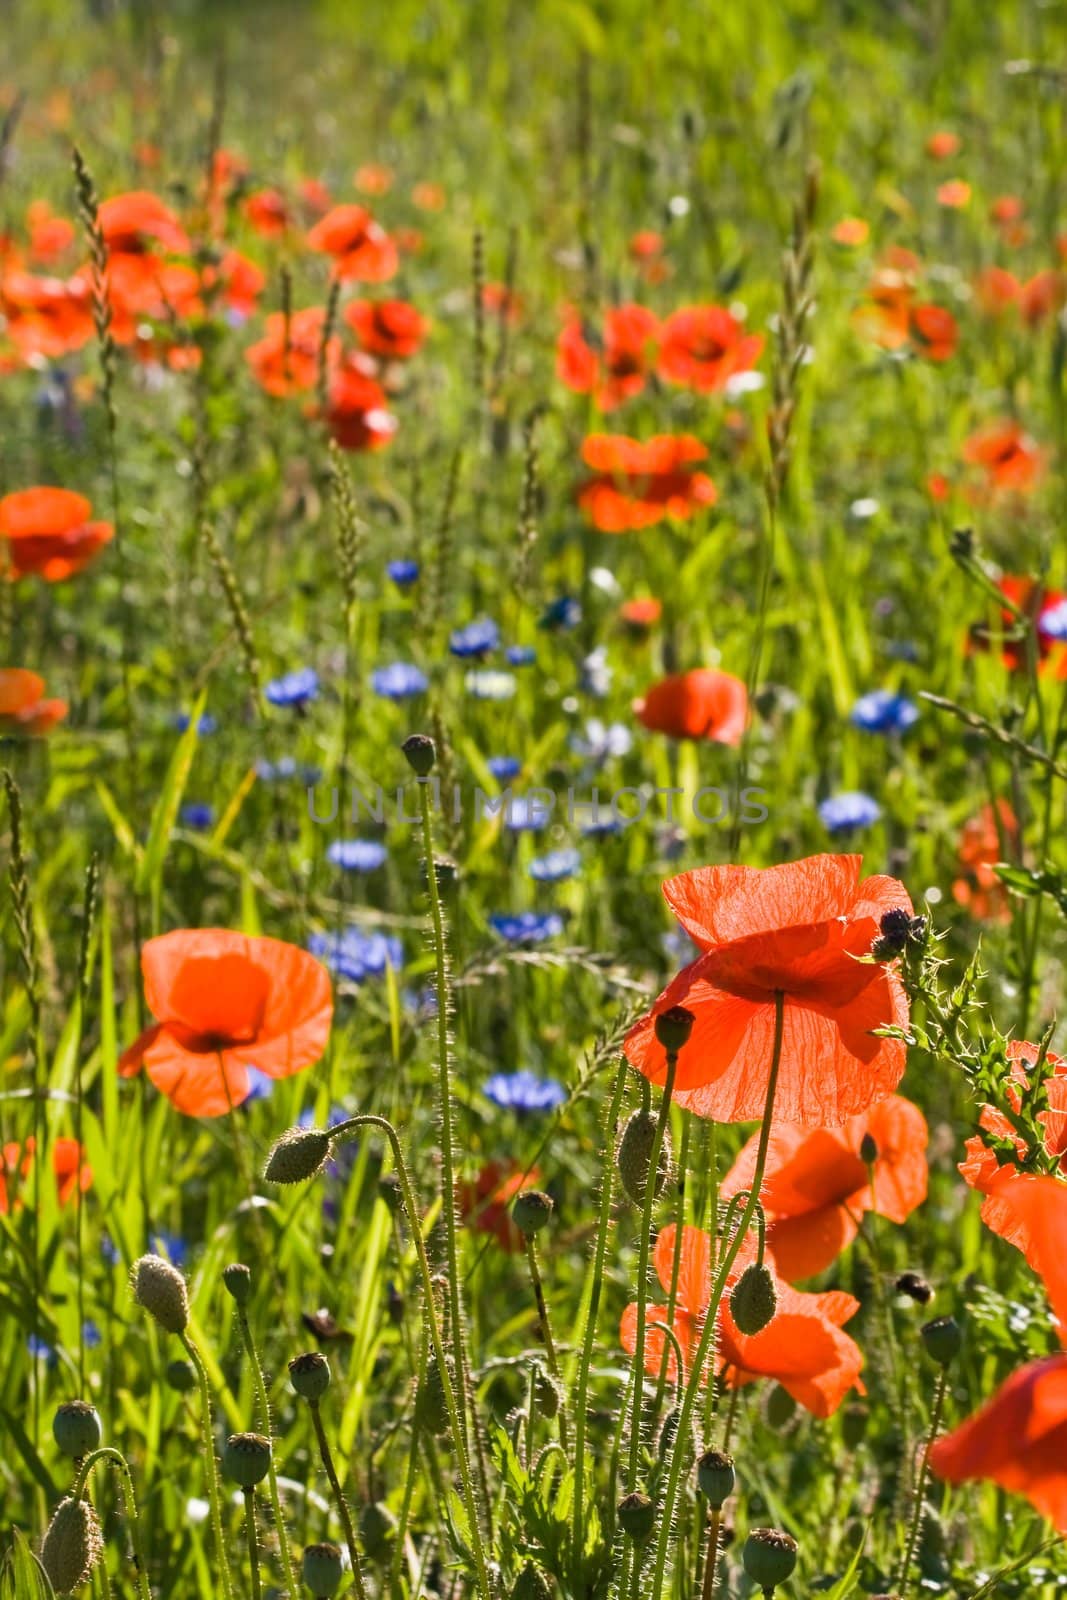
{"points": [[637, 1517], [246, 1459], [76, 1428], [237, 1279], [942, 1339], [323, 1569], [181, 1376], [769, 1556], [781, 1408], [716, 1478], [309, 1375], [673, 1028], [531, 1211]]}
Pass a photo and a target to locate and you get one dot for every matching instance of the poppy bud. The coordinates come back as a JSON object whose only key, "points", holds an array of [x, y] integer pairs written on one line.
{"points": [[915, 1287], [769, 1556], [854, 1420], [754, 1299], [246, 1458], [531, 1211], [181, 1376], [780, 1409], [868, 1150], [431, 1411], [390, 1192], [309, 1375], [298, 1155], [421, 753], [237, 1279], [377, 1527], [548, 1393], [716, 1478], [942, 1339], [668, 1433], [72, 1546], [322, 1569], [531, 1584], [637, 1517], [673, 1028], [634, 1156], [76, 1428], [160, 1289]]}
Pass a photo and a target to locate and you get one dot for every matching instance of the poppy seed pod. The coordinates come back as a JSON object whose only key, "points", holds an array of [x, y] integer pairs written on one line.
{"points": [[942, 1339], [76, 1428], [637, 1517], [431, 1408], [716, 1478], [754, 1299], [72, 1545], [160, 1289], [323, 1569], [769, 1556], [421, 753], [309, 1375], [531, 1584], [181, 1376], [390, 1192], [531, 1211], [238, 1281], [377, 1529], [634, 1156], [298, 1155], [246, 1459], [673, 1028]]}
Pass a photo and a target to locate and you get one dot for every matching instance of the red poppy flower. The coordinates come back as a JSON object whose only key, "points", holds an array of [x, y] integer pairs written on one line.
{"points": [[429, 197], [130, 221], [955, 194], [981, 847], [851, 231], [23, 708], [314, 197], [703, 347], [703, 704], [390, 328], [802, 1347], [1042, 295], [237, 281], [816, 1184], [45, 317], [71, 1170], [224, 1002], [500, 301], [360, 247], [1035, 602], [934, 331], [798, 929], [646, 245], [642, 613], [286, 360], [267, 211], [50, 236], [638, 485], [942, 145], [485, 1203], [618, 369], [373, 178], [49, 533], [1007, 455], [357, 414]]}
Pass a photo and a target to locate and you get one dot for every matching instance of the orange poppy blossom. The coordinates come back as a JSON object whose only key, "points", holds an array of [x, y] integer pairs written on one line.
{"points": [[803, 1347], [267, 213], [224, 1002], [934, 332], [484, 1203], [49, 533], [357, 411], [998, 291], [360, 247], [130, 222], [702, 704], [236, 281], [943, 144], [816, 1184], [71, 1170], [44, 317], [1018, 1440], [286, 360], [23, 708], [955, 194], [851, 232], [641, 613], [979, 889], [798, 930], [703, 347], [617, 367], [1008, 457], [1035, 601], [50, 236], [392, 329], [638, 485]]}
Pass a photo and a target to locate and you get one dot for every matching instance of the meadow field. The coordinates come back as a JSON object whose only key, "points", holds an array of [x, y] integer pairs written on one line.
{"points": [[533, 707]]}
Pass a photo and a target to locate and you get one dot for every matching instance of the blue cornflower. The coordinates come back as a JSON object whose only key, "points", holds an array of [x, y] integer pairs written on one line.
{"points": [[357, 955], [403, 573], [527, 927], [171, 1245], [476, 639], [260, 1086], [42, 1349], [599, 740], [564, 612], [197, 815], [842, 813], [207, 724], [555, 866], [295, 689], [490, 685], [1053, 622], [524, 1091], [882, 711], [526, 813], [399, 681], [603, 824], [109, 1250], [356, 855], [520, 655], [91, 1334], [504, 768], [286, 767]]}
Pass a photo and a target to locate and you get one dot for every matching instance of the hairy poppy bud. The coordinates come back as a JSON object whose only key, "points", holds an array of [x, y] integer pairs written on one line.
{"points": [[298, 1155], [915, 1287], [634, 1156], [322, 1569], [238, 1281], [548, 1393], [780, 1408], [754, 1299], [181, 1376], [431, 1409], [76, 1428], [668, 1433], [377, 1527], [942, 1339], [531, 1584], [673, 1028], [531, 1211], [73, 1544], [637, 1517], [390, 1192], [769, 1556], [421, 753], [716, 1478], [160, 1289], [246, 1458], [309, 1375], [854, 1420]]}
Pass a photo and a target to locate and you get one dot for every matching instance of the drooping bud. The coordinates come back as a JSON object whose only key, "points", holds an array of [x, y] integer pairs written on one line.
{"points": [[716, 1478], [754, 1299], [634, 1156], [377, 1528], [246, 1459], [421, 753], [72, 1545], [942, 1338], [309, 1375], [673, 1028], [323, 1569], [237, 1279], [160, 1289], [531, 1211], [76, 1428], [297, 1156], [769, 1556], [637, 1517], [531, 1584]]}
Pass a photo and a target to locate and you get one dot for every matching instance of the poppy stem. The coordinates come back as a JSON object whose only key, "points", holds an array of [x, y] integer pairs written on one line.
{"points": [[115, 1459], [211, 1465], [920, 1482], [676, 1260], [680, 1445], [272, 1476], [712, 1559], [253, 1542], [546, 1331], [342, 1504]]}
